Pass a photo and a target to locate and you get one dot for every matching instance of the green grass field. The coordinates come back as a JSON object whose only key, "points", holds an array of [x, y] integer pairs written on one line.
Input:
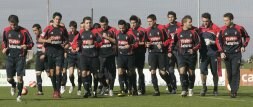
{"points": [[244, 99]]}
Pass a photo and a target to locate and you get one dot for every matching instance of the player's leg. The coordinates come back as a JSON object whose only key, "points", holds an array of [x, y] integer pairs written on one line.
{"points": [[58, 74], [192, 65], [236, 62], [132, 75], [153, 63], [204, 72], [214, 69], [20, 68], [121, 76], [11, 71], [164, 75], [64, 75], [139, 62], [173, 81]]}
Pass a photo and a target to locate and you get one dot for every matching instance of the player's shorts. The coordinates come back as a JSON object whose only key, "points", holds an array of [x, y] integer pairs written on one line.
{"points": [[89, 63], [15, 64], [205, 61], [125, 61], [108, 66], [55, 59], [72, 60], [40, 65], [189, 60], [156, 60], [139, 60]]}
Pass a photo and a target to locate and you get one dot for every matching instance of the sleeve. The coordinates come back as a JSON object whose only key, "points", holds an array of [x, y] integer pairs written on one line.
{"points": [[4, 41], [173, 43], [134, 43], [44, 34], [197, 41], [245, 36], [75, 41], [65, 36], [29, 42], [219, 41]]}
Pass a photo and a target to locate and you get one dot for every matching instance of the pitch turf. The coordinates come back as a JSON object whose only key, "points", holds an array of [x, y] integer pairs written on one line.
{"points": [[244, 99]]}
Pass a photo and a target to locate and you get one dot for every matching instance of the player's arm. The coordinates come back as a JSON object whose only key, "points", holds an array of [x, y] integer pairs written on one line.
{"points": [[4, 43], [197, 42], [107, 36], [29, 42], [246, 37], [43, 37]]}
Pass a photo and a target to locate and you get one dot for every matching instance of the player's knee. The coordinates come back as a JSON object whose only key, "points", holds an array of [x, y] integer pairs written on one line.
{"points": [[10, 80], [153, 71], [162, 72]]}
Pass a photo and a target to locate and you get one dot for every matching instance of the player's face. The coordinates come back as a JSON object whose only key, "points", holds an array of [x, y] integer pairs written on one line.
{"points": [[81, 26], [133, 24], [57, 20], [13, 26], [122, 28], [188, 23], [36, 31], [151, 22], [171, 18], [104, 25], [227, 21], [205, 22], [72, 29], [87, 24]]}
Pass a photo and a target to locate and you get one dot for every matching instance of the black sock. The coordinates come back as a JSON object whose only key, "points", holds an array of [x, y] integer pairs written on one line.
{"points": [[53, 80], [64, 79], [166, 78], [134, 82], [20, 88], [58, 82], [39, 82], [95, 87], [90, 80], [13, 83], [204, 84], [79, 82], [86, 84], [154, 82], [126, 81], [121, 82], [72, 78], [183, 82], [191, 81], [141, 81]]}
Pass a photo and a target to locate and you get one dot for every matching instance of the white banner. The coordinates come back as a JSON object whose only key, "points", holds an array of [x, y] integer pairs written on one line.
{"points": [[31, 76]]}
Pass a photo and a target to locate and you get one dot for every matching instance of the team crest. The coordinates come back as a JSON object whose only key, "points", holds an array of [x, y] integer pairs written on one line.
{"points": [[90, 36], [190, 35], [9, 35], [52, 33], [235, 33], [181, 36], [138, 34], [226, 33], [158, 33], [18, 35]]}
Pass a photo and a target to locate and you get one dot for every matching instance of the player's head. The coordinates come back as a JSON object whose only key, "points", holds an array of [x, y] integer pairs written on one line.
{"points": [[172, 16], [134, 21], [96, 25], [72, 26], [57, 18], [206, 19], [151, 20], [122, 25], [87, 23], [103, 21], [36, 29], [228, 19], [51, 22], [13, 21], [187, 21], [81, 25]]}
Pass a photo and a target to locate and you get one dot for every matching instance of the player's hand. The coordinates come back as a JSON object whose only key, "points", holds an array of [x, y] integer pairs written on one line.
{"points": [[169, 55], [49, 40], [23, 46], [159, 46], [127, 46], [65, 55], [208, 42], [89, 42], [141, 43], [42, 57], [223, 55], [105, 35], [43, 49], [242, 49], [148, 44], [190, 51], [4, 50]]}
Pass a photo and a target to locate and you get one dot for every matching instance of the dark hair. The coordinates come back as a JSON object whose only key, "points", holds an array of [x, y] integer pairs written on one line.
{"points": [[37, 26], [57, 14], [127, 25], [73, 23], [122, 22], [13, 19], [206, 15], [185, 18], [139, 21], [104, 19], [229, 15], [173, 14], [151, 16], [134, 18], [51, 21], [87, 18], [96, 25]]}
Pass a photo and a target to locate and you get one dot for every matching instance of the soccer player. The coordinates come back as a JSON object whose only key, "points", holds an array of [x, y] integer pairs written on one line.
{"points": [[16, 42], [171, 27], [232, 42], [55, 38], [41, 63], [125, 61], [156, 36], [87, 42], [208, 52], [187, 42], [107, 53], [72, 58], [139, 52]]}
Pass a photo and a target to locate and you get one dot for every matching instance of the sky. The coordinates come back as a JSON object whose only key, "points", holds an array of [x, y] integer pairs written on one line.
{"points": [[35, 11]]}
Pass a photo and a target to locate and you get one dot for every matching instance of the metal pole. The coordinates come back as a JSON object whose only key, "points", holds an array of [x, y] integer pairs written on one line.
{"points": [[92, 15], [48, 11], [198, 26]]}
